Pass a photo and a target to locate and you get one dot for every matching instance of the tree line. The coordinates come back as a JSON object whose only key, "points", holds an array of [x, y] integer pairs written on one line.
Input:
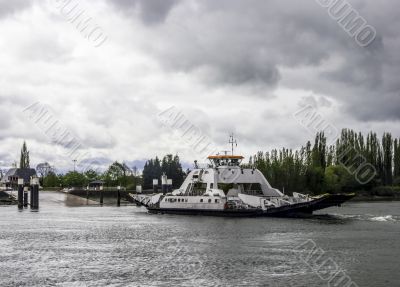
{"points": [[354, 162], [170, 165], [117, 174]]}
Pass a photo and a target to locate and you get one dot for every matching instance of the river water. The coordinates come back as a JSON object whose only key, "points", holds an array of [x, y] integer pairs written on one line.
{"points": [[71, 243]]}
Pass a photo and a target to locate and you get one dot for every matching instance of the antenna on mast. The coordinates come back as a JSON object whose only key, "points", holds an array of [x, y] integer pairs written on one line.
{"points": [[232, 141]]}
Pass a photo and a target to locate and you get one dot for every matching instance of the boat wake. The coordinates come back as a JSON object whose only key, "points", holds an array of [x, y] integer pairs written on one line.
{"points": [[366, 217], [384, 218]]}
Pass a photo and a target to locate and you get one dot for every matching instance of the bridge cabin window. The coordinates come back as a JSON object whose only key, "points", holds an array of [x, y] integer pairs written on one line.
{"points": [[225, 160], [199, 188]]}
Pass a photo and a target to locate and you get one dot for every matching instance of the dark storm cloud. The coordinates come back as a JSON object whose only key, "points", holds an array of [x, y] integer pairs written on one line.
{"points": [[150, 11], [239, 42], [11, 6]]}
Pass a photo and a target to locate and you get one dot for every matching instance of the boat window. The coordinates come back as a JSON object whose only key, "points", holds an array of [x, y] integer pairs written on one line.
{"points": [[209, 200], [252, 188], [216, 201], [179, 200], [211, 185], [186, 200], [201, 200], [199, 188]]}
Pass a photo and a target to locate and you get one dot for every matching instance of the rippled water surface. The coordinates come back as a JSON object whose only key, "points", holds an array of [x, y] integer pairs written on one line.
{"points": [[69, 243]]}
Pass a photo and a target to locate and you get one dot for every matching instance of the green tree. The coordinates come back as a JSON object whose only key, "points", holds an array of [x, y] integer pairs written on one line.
{"points": [[117, 174], [387, 148], [51, 180], [170, 165], [396, 162], [91, 175], [74, 179], [337, 179]]}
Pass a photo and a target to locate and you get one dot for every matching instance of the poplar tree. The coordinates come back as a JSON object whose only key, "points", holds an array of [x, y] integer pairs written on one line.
{"points": [[24, 159]]}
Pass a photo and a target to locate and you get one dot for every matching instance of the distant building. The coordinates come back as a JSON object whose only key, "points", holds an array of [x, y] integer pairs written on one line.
{"points": [[96, 184], [10, 179]]}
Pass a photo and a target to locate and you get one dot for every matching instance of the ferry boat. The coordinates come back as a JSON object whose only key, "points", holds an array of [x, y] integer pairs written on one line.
{"points": [[225, 188]]}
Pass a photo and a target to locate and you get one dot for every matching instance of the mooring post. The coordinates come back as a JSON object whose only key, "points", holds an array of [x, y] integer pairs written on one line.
{"points": [[169, 185], [31, 194], [119, 195], [36, 185], [34, 193], [155, 185], [20, 193], [26, 189], [101, 195]]}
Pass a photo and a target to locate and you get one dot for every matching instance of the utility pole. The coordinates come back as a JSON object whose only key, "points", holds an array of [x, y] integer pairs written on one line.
{"points": [[232, 141], [74, 163]]}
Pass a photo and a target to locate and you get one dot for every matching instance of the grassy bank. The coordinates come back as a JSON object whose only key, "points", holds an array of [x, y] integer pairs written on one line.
{"points": [[379, 193]]}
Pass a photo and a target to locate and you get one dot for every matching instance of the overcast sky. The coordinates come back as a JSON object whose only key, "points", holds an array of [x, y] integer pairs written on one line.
{"points": [[242, 66]]}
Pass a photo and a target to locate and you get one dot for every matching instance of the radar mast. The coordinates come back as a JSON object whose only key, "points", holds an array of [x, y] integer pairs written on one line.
{"points": [[232, 141]]}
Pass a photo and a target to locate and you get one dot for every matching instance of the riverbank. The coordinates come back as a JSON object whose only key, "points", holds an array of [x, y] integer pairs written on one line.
{"points": [[5, 199], [366, 198], [380, 193]]}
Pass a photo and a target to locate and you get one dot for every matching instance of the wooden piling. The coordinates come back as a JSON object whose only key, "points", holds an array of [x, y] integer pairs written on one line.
{"points": [[20, 193], [26, 196], [34, 193], [119, 196], [31, 196], [101, 195]]}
